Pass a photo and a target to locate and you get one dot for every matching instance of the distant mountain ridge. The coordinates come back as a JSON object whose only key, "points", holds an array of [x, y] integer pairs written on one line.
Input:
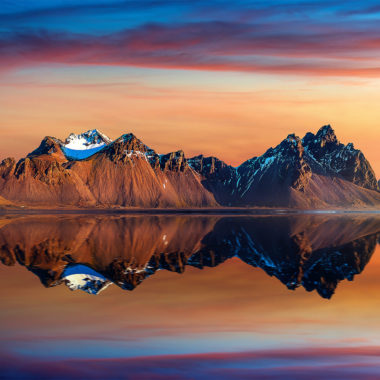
{"points": [[91, 170]]}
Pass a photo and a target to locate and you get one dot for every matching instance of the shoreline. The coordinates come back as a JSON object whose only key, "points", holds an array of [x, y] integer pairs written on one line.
{"points": [[185, 211]]}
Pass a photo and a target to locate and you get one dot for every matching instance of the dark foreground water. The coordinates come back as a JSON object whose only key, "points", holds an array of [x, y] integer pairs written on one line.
{"points": [[189, 297]]}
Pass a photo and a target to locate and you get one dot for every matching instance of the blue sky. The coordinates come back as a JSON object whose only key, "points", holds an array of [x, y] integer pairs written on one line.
{"points": [[334, 38]]}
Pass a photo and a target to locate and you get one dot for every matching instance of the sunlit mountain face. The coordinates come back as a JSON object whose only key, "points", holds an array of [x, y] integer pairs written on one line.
{"points": [[90, 170], [110, 296]]}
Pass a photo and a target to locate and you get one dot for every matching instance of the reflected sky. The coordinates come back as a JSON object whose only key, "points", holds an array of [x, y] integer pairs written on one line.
{"points": [[230, 319]]}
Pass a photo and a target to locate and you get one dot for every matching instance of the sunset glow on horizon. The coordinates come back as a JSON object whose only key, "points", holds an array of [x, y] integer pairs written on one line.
{"points": [[212, 78]]}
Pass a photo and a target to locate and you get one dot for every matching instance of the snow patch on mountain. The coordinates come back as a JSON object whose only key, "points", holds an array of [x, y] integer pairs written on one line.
{"points": [[84, 145]]}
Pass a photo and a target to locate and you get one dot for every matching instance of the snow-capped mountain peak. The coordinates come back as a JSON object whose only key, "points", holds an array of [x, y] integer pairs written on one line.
{"points": [[86, 140], [85, 144]]}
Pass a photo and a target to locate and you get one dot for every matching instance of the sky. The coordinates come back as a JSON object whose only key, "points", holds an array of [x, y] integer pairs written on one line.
{"points": [[222, 78]]}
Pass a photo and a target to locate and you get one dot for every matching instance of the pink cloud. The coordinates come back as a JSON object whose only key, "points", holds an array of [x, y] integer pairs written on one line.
{"points": [[213, 46]]}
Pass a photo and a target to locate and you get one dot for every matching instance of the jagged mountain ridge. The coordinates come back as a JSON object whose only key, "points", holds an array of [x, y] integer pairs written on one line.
{"points": [[124, 172], [316, 171], [91, 170], [311, 172]]}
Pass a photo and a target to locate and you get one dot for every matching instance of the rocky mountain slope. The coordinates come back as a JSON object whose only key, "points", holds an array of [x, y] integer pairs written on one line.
{"points": [[5, 204], [90, 170], [316, 171], [124, 172]]}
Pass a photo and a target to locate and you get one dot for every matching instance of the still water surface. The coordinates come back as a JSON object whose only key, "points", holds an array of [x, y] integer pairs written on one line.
{"points": [[190, 297]]}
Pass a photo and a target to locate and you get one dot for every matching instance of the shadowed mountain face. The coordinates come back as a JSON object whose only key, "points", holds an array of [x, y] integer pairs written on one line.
{"points": [[92, 252], [90, 170], [316, 171]]}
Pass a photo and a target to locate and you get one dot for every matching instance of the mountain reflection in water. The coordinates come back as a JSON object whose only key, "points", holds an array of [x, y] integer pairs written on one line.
{"points": [[90, 252]]}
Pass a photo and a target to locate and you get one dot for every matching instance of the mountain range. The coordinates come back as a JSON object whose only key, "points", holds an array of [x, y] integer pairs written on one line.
{"points": [[91, 170]]}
